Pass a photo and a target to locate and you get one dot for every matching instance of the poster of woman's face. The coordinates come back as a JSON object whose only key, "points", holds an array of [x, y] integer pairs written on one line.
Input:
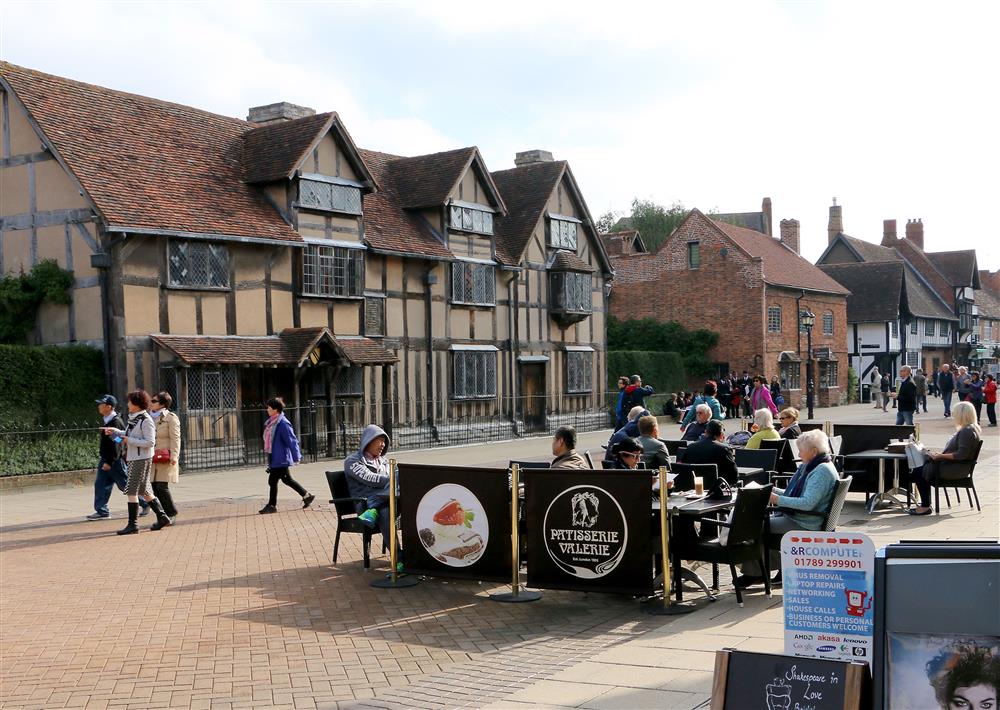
{"points": [[949, 672]]}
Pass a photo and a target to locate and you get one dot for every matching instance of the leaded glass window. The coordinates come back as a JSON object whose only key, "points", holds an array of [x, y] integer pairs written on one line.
{"points": [[332, 271], [827, 324], [571, 291], [562, 234], [198, 264], [579, 371], [318, 195], [473, 283], [474, 374], [774, 319], [790, 375], [470, 219], [211, 389], [827, 373], [350, 382]]}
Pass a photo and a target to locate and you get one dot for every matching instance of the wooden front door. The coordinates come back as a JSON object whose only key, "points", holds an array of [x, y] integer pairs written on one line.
{"points": [[533, 395]]}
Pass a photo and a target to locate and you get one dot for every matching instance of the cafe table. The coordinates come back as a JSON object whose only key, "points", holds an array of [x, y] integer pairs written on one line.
{"points": [[883, 498], [697, 507]]}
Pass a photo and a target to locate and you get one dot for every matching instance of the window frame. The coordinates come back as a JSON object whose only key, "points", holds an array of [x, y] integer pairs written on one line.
{"points": [[485, 214], [579, 368], [694, 255], [827, 317], [824, 374], [212, 248], [915, 326], [228, 386], [334, 184], [929, 327], [355, 289], [785, 375], [469, 270], [894, 329], [773, 314], [357, 381], [478, 358], [559, 290], [560, 224]]}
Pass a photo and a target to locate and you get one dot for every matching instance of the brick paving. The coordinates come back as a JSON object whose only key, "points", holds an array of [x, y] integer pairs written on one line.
{"points": [[233, 609]]}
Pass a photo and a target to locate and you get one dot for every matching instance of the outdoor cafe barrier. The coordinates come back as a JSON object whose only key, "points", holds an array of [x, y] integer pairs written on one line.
{"points": [[585, 531]]}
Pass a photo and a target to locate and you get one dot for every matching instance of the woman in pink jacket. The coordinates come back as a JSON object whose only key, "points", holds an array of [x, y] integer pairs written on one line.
{"points": [[760, 396]]}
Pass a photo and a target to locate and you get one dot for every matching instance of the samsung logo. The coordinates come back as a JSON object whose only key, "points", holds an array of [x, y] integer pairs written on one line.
{"points": [[825, 649]]}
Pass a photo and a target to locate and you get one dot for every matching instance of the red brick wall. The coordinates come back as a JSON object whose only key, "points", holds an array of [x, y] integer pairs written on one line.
{"points": [[725, 294]]}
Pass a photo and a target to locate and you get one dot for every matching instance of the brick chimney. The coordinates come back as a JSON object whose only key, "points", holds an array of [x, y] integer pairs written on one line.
{"points": [[276, 113], [990, 280], [915, 232], [790, 234], [530, 157], [765, 207], [836, 224], [888, 232]]}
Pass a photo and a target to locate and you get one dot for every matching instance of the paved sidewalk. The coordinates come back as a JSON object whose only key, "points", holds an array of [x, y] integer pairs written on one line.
{"points": [[234, 609]]}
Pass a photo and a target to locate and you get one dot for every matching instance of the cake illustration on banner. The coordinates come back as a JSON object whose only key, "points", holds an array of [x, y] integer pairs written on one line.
{"points": [[452, 525]]}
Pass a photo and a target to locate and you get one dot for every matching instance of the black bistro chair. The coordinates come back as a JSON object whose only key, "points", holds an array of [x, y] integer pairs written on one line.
{"points": [[347, 515], [745, 541], [686, 473], [786, 459], [674, 445], [956, 474], [756, 458]]}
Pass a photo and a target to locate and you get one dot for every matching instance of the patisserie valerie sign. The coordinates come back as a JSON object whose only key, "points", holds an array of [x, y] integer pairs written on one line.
{"points": [[585, 532]]}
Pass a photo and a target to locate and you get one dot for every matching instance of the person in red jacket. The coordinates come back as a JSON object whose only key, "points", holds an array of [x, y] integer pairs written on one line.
{"points": [[990, 397]]}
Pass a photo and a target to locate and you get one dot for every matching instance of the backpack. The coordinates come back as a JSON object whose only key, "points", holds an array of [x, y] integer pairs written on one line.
{"points": [[738, 438]]}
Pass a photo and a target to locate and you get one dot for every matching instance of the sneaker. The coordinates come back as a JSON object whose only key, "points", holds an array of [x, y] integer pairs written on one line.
{"points": [[98, 516], [399, 567], [307, 500], [369, 517], [268, 509]]}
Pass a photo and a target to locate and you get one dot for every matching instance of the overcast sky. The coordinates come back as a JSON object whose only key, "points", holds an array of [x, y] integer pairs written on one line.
{"points": [[892, 108]]}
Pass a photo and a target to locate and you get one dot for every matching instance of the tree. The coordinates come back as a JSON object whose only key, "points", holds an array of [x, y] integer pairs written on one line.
{"points": [[656, 222], [606, 222]]}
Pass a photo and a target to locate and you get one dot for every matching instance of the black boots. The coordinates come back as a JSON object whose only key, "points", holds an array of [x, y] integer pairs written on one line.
{"points": [[162, 520], [133, 515]]}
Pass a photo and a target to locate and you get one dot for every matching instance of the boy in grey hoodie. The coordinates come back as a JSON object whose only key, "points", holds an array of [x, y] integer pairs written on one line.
{"points": [[368, 477]]}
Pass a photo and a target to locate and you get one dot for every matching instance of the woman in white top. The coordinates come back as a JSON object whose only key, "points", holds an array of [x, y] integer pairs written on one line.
{"points": [[139, 437]]}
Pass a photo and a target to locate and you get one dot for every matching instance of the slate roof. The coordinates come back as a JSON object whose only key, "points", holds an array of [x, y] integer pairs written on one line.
{"points": [[958, 267], [922, 300], [876, 289], [148, 164], [388, 226], [869, 251], [988, 304], [782, 266], [526, 190], [750, 220], [290, 348]]}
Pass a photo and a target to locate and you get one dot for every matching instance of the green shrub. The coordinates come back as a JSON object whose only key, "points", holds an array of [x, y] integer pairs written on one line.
{"points": [[22, 453], [647, 334], [49, 385], [663, 370], [22, 294]]}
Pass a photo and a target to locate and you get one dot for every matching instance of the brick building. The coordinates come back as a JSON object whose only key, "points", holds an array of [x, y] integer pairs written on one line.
{"points": [[748, 287]]}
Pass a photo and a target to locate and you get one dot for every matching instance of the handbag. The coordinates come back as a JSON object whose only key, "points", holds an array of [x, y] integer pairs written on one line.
{"points": [[161, 456]]}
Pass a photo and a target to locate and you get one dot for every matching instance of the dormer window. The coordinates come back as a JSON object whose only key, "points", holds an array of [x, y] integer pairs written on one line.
{"points": [[470, 217], [329, 194], [562, 232]]}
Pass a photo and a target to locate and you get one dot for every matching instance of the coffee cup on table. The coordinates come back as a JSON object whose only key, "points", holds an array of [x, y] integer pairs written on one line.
{"points": [[699, 485]]}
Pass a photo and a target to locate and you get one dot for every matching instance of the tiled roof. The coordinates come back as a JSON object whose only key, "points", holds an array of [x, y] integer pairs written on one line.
{"points": [[782, 266], [988, 304], [149, 164], [526, 190], [612, 244], [427, 180], [564, 260], [959, 267], [290, 348], [876, 289], [390, 227], [921, 299], [273, 152], [365, 351]]}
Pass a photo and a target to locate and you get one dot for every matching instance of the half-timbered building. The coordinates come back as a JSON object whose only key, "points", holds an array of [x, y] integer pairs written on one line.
{"points": [[228, 261]]}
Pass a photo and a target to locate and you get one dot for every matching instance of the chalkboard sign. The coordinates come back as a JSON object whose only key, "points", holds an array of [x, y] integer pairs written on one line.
{"points": [[765, 681]]}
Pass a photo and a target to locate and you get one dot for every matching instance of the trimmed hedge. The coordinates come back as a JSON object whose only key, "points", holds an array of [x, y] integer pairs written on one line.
{"points": [[49, 385], [648, 334], [22, 454], [663, 370]]}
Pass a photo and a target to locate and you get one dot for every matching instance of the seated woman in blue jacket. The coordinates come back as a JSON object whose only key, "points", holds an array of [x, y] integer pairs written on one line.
{"points": [[804, 504]]}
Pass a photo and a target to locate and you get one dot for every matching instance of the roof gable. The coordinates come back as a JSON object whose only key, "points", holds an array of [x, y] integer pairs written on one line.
{"points": [[429, 180], [276, 151], [782, 266], [877, 289], [147, 164], [958, 267]]}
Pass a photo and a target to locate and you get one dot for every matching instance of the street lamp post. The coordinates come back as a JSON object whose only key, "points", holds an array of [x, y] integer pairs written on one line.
{"points": [[808, 319]]}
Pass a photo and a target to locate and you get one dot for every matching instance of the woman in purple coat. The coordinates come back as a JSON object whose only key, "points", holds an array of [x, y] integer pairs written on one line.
{"points": [[760, 396], [282, 449]]}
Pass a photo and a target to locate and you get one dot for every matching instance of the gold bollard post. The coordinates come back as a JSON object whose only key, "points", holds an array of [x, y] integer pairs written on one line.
{"points": [[393, 580], [666, 608], [516, 594], [916, 431], [828, 427]]}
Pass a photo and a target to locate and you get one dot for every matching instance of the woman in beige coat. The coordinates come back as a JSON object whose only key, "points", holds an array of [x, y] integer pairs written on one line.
{"points": [[168, 436]]}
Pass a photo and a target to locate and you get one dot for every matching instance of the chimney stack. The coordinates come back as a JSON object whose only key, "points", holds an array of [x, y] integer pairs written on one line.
{"points": [[888, 232], [915, 232], [790, 234], [836, 224], [530, 157], [765, 207], [277, 113]]}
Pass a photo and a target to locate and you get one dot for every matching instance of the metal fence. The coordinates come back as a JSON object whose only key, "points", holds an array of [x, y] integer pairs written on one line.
{"points": [[234, 437]]}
